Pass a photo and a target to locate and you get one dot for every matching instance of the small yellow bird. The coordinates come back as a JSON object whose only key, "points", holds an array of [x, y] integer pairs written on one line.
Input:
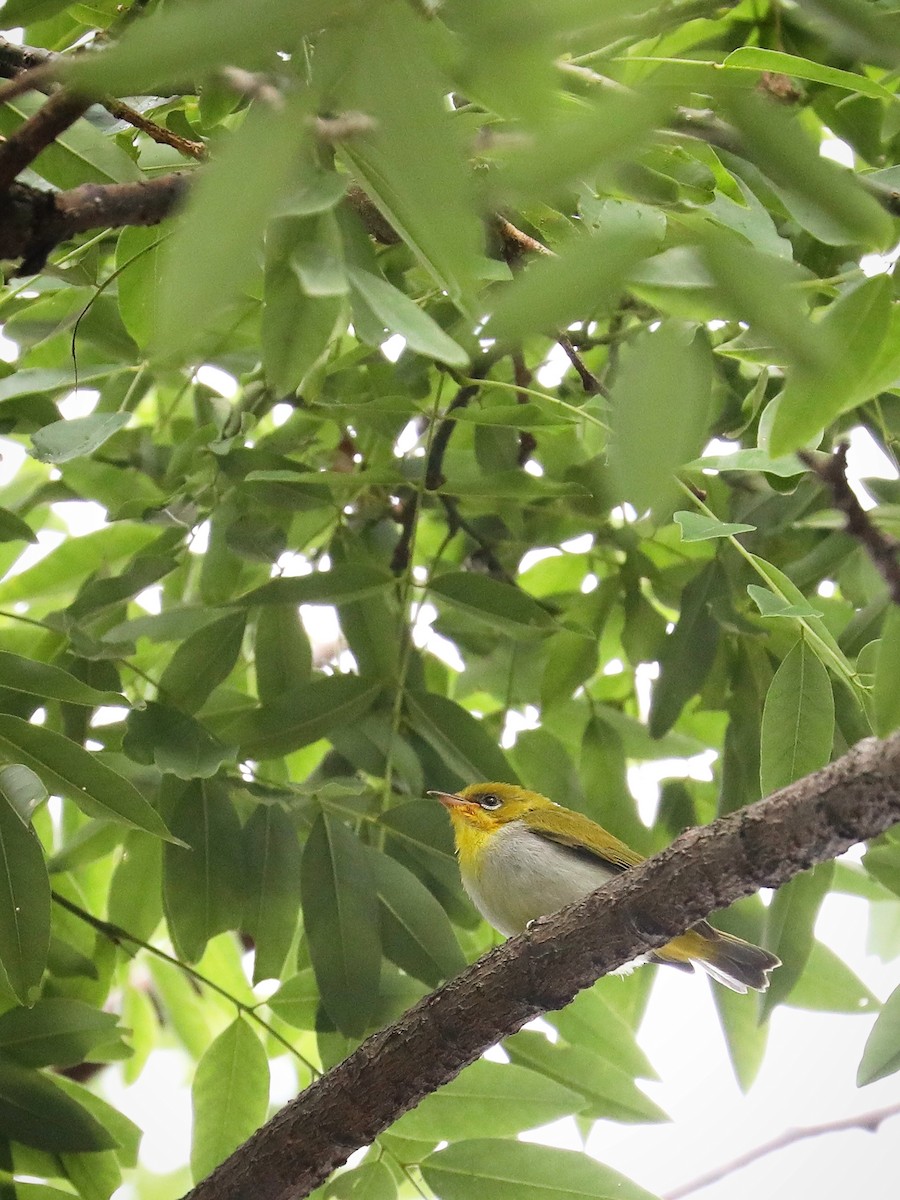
{"points": [[521, 857]]}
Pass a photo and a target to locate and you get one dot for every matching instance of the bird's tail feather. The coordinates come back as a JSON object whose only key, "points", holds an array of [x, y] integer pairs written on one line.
{"points": [[729, 960]]}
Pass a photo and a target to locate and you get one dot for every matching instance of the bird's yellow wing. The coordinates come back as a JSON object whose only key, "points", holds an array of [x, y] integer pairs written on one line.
{"points": [[583, 837]]}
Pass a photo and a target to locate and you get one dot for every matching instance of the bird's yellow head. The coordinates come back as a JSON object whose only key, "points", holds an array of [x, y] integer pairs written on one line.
{"points": [[486, 807]]}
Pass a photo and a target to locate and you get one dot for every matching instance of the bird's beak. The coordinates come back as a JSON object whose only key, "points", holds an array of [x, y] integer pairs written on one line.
{"points": [[449, 799]]}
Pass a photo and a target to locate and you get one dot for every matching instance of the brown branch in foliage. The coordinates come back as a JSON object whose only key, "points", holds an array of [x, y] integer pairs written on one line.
{"points": [[522, 376], [589, 380], [434, 475], [516, 242], [882, 550], [871, 1122], [32, 222], [32, 69], [23, 146], [762, 845]]}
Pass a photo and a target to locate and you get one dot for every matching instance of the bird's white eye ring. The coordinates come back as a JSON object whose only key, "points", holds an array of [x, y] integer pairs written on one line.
{"points": [[489, 801]]}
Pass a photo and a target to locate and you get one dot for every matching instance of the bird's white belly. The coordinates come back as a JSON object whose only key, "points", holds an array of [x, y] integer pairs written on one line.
{"points": [[523, 876]]}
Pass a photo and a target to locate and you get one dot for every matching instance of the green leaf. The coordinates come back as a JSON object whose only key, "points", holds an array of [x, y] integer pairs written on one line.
{"points": [[14, 529], [297, 1001], [24, 905], [70, 562], [828, 985], [750, 460], [343, 582], [43, 679], [589, 1021], [296, 328], [175, 742], [771, 605], [490, 1098], [230, 1096], [863, 324], [46, 381], [789, 931], [418, 833], [650, 441], [752, 58], [413, 162], [798, 720], [695, 527], [460, 739], [213, 250], [496, 1169], [498, 605], [202, 882], [368, 1181], [282, 653], [37, 1112], [609, 1091], [747, 280], [80, 154], [341, 923], [586, 278], [792, 161], [65, 440], [886, 693], [169, 47], [69, 770], [687, 653], [272, 889], [304, 714], [415, 931], [22, 789], [139, 263], [54, 1033], [402, 315], [202, 662], [881, 1055]]}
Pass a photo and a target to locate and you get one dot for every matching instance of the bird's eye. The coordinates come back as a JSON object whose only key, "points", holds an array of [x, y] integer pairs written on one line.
{"points": [[489, 800]]}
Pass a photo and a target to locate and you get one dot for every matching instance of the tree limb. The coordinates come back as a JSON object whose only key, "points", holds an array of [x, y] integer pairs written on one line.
{"points": [[762, 845], [884, 551], [54, 117], [870, 1121]]}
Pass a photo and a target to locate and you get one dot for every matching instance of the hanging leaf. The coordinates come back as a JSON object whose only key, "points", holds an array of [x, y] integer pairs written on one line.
{"points": [[69, 770], [74, 438], [798, 720], [415, 931], [230, 1096], [340, 913], [22, 790], [272, 889], [38, 1113], [881, 1055], [496, 1169], [24, 906], [202, 880]]}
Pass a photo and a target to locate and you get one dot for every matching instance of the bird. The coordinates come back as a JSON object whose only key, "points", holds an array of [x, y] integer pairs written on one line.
{"points": [[522, 856]]}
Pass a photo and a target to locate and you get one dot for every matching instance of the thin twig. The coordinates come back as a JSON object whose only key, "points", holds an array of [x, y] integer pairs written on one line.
{"points": [[589, 380], [117, 935], [869, 1121], [434, 463], [882, 549]]}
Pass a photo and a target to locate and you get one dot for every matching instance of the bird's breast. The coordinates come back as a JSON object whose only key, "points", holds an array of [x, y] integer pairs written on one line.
{"points": [[520, 875]]}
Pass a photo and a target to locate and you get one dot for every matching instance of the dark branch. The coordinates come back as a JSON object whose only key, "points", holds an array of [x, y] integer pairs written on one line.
{"points": [[23, 146], [882, 550], [589, 380], [763, 845], [870, 1121]]}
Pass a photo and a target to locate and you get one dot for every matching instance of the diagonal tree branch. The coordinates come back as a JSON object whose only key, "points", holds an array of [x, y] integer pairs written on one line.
{"points": [[884, 551], [54, 117], [763, 845]]}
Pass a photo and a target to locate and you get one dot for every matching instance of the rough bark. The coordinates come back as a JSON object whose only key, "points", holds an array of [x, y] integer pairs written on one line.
{"points": [[763, 845]]}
